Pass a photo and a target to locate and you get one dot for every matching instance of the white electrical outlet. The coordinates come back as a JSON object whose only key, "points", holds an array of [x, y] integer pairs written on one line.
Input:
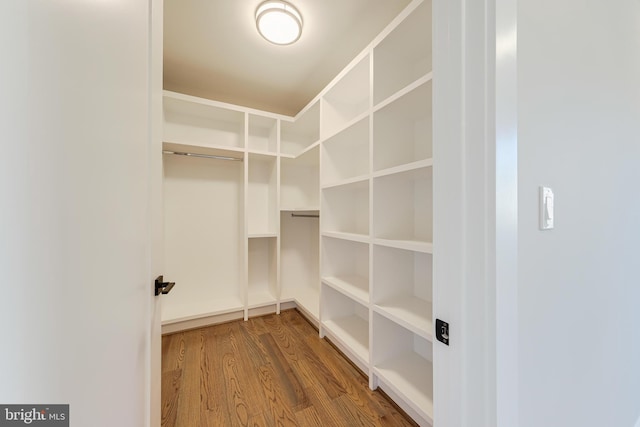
{"points": [[546, 208]]}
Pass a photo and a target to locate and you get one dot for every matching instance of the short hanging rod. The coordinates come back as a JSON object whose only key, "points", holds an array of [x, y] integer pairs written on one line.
{"points": [[304, 216], [204, 156]]}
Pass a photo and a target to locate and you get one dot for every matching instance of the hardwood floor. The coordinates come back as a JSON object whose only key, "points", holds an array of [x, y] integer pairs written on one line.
{"points": [[268, 371]]}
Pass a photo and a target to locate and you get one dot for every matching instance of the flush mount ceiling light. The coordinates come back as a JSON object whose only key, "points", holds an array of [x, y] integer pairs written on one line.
{"points": [[279, 22]]}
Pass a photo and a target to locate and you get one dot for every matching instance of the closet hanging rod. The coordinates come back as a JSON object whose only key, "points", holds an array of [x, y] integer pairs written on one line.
{"points": [[204, 156], [304, 216]]}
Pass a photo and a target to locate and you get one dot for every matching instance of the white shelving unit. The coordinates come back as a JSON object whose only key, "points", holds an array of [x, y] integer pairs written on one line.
{"points": [[347, 99], [402, 365], [402, 208], [262, 195], [404, 55], [194, 121], [345, 156], [299, 265], [402, 129], [262, 134], [231, 243], [346, 323], [299, 212], [402, 288], [262, 286], [329, 211], [300, 181], [345, 208], [345, 268], [376, 204], [298, 135]]}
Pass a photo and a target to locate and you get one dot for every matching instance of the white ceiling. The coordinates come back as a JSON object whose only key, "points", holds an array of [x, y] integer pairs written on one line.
{"points": [[213, 50]]}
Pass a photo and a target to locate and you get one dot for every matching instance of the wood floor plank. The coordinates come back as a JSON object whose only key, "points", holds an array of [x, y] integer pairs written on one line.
{"points": [[189, 393], [293, 342], [171, 382], [310, 417], [172, 352], [213, 410], [291, 387], [325, 408], [266, 372], [279, 411], [259, 420], [251, 356], [234, 385]]}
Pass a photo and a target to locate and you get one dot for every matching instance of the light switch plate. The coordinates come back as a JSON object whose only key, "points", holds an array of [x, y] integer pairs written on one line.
{"points": [[546, 208]]}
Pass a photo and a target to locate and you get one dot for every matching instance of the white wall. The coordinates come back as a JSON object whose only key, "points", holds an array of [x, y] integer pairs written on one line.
{"points": [[579, 133]]}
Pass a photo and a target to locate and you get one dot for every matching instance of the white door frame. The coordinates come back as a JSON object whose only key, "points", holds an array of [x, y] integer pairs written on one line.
{"points": [[156, 18], [475, 212]]}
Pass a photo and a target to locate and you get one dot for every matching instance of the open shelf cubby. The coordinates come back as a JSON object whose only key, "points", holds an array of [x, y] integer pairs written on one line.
{"points": [[403, 207], [346, 322], [299, 260], [263, 134], [347, 99], [195, 121], [403, 364], [346, 154], [345, 267], [402, 130], [262, 274], [304, 131], [404, 55], [402, 288], [345, 208], [262, 195], [300, 181]]}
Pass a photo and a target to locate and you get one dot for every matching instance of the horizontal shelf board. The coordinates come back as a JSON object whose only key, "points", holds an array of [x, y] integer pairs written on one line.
{"points": [[262, 235], [353, 333], [209, 150], [170, 95], [410, 245], [346, 126], [425, 163], [197, 309], [354, 237], [409, 312], [354, 287], [307, 209], [405, 90], [299, 153], [262, 152], [309, 148], [411, 377], [354, 180], [260, 299]]}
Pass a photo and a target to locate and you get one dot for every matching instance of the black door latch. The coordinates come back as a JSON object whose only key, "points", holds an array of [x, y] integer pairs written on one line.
{"points": [[162, 287], [442, 331]]}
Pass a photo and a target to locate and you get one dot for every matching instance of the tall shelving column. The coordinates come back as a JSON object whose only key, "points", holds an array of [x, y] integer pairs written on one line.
{"points": [[261, 211], [376, 204], [345, 202], [402, 236], [299, 208]]}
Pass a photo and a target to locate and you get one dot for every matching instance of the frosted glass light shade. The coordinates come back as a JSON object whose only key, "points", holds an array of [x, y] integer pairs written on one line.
{"points": [[279, 22]]}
